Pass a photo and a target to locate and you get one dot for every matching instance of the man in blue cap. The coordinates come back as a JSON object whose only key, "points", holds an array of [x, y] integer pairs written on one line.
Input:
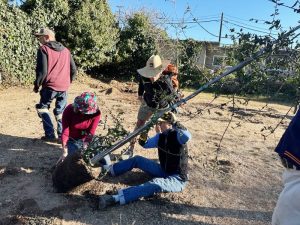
{"points": [[287, 210]]}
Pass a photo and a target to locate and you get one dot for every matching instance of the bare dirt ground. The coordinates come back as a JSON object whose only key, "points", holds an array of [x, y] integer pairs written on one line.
{"points": [[240, 189]]}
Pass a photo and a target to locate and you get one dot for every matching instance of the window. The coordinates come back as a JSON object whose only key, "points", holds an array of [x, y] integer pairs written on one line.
{"points": [[219, 60]]}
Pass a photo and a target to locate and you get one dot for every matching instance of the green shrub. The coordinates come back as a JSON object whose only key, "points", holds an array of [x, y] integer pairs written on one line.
{"points": [[139, 39], [91, 32], [17, 46]]}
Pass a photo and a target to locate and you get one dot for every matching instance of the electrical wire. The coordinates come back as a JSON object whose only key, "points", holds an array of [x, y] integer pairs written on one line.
{"points": [[248, 28], [242, 19], [266, 29], [195, 19], [189, 22]]}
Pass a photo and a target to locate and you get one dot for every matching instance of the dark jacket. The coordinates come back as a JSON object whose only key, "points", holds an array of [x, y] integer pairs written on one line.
{"points": [[55, 67], [173, 156], [157, 94], [289, 144]]}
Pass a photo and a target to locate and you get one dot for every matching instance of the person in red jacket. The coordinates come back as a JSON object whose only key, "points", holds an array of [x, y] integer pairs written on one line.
{"points": [[79, 122], [55, 70]]}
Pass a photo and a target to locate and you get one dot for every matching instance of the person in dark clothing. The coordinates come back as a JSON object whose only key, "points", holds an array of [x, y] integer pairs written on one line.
{"points": [[287, 210], [170, 175], [155, 92], [55, 70]]}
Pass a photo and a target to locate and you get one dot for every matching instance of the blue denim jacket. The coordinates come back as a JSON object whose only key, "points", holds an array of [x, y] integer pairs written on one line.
{"points": [[289, 144]]}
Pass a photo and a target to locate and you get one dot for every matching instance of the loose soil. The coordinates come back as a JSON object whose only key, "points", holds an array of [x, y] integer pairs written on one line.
{"points": [[233, 182]]}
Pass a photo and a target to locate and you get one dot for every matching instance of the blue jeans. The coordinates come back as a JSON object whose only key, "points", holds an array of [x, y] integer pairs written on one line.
{"points": [[76, 145], [47, 96], [162, 182]]}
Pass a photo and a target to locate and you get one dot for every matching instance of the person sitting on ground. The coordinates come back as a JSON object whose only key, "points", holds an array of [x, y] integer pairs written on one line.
{"points": [[287, 210], [79, 122], [170, 175], [156, 91]]}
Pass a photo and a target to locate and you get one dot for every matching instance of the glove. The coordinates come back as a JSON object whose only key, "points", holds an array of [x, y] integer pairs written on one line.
{"points": [[143, 138], [35, 89], [62, 158]]}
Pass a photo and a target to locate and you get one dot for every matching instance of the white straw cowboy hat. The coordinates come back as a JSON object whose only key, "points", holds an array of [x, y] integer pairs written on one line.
{"points": [[154, 66]]}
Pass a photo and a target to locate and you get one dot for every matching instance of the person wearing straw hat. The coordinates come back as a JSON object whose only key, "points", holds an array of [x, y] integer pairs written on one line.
{"points": [[80, 121], [155, 93], [169, 175]]}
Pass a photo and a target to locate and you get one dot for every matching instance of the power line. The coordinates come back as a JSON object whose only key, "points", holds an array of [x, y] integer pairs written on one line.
{"points": [[241, 26], [240, 18], [190, 18], [250, 20], [195, 19], [188, 22], [255, 27]]}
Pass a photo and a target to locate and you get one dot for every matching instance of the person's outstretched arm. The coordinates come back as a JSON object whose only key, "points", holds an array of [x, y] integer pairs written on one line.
{"points": [[148, 143], [183, 135]]}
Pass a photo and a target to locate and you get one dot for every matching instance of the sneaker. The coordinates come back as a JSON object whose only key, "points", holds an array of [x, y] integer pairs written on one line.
{"points": [[128, 153], [106, 201], [49, 139]]}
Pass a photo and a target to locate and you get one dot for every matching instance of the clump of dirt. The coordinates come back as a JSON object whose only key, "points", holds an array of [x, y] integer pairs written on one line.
{"points": [[112, 90], [13, 220], [6, 171], [73, 171]]}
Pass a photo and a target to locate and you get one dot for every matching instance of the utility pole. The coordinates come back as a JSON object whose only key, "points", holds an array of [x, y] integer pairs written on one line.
{"points": [[119, 13], [177, 39], [220, 32]]}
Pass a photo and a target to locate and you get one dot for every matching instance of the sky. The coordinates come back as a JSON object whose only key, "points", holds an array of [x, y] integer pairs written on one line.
{"points": [[201, 19]]}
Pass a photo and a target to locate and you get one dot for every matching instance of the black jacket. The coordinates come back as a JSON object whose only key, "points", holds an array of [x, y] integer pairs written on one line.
{"points": [[173, 156], [157, 94]]}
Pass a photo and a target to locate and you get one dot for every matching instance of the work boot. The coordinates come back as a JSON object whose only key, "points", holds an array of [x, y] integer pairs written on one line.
{"points": [[106, 201], [93, 199], [49, 139]]}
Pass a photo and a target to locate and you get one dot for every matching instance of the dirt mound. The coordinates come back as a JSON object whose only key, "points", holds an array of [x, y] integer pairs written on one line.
{"points": [[72, 172], [113, 91], [100, 86]]}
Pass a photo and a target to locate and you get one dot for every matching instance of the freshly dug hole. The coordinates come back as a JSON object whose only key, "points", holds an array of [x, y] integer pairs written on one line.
{"points": [[73, 171]]}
